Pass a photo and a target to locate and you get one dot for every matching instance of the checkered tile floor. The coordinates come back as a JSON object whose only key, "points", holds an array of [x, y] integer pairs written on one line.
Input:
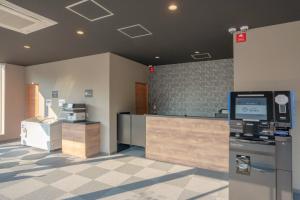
{"points": [[27, 173]]}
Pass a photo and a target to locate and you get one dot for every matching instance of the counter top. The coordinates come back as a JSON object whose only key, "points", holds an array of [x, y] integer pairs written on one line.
{"points": [[81, 122], [188, 117]]}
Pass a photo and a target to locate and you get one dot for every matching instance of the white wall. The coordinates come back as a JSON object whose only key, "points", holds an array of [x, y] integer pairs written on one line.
{"points": [[124, 73], [71, 78], [270, 60], [14, 101], [110, 76]]}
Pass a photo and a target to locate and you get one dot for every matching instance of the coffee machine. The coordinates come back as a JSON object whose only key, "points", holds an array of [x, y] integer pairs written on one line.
{"points": [[260, 160]]}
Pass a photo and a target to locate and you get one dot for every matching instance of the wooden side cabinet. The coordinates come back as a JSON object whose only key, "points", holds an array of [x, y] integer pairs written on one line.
{"points": [[81, 139], [32, 100]]}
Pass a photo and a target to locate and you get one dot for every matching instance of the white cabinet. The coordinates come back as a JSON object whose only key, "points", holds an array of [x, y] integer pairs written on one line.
{"points": [[41, 133]]}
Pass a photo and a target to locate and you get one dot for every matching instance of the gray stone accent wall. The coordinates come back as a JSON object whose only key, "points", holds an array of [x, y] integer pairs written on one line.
{"points": [[194, 89]]}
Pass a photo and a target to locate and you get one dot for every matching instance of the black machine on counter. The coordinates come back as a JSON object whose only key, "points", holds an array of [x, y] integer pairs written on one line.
{"points": [[260, 160], [74, 112]]}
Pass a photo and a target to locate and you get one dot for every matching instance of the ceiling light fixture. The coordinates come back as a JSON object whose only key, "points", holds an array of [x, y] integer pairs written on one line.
{"points": [[172, 7], [27, 46], [157, 57], [196, 52], [80, 32]]}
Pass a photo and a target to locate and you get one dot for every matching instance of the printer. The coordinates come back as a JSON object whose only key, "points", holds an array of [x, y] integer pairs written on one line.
{"points": [[74, 112]]}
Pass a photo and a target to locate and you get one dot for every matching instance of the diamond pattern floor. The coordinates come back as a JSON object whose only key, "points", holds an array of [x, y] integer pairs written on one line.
{"points": [[28, 173]]}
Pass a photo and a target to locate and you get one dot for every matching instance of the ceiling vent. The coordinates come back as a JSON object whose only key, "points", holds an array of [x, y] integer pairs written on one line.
{"points": [[201, 56], [90, 10], [18, 19], [135, 31]]}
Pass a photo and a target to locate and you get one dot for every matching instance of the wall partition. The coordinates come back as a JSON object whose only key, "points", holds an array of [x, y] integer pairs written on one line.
{"points": [[2, 97]]}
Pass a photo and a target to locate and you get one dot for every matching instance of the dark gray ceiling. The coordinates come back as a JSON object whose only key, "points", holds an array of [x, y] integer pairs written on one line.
{"points": [[198, 25]]}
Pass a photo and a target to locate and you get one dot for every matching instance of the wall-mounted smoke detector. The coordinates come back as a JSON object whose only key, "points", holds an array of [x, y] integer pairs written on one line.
{"points": [[244, 28], [201, 56], [18, 19], [232, 30]]}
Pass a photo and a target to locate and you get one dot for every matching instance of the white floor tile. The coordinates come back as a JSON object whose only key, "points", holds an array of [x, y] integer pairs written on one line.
{"points": [[113, 178], [110, 164], [22, 188], [71, 183], [141, 162], [149, 173]]}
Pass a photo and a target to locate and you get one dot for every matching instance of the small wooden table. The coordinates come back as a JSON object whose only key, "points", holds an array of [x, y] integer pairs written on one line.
{"points": [[81, 139]]}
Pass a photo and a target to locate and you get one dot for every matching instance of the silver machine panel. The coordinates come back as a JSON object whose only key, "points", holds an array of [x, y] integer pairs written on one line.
{"points": [[260, 160], [131, 129]]}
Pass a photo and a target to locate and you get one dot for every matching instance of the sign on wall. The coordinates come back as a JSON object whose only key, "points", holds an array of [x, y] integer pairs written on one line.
{"points": [[241, 37], [55, 94], [151, 69]]}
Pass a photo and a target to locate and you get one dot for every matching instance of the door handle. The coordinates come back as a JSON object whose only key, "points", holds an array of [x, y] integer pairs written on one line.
{"points": [[262, 170]]}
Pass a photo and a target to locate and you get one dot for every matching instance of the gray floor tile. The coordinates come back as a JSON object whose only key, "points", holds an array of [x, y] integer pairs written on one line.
{"points": [[36, 156], [109, 193], [71, 183], [129, 169], [14, 153], [93, 172], [3, 197], [126, 175], [161, 166], [21, 188], [91, 187], [187, 194], [55, 161], [53, 176], [126, 159], [179, 182], [4, 165], [137, 184], [98, 194], [7, 179], [45, 193]]}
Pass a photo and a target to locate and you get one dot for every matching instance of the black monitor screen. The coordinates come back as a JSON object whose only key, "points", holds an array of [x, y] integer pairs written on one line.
{"points": [[251, 108]]}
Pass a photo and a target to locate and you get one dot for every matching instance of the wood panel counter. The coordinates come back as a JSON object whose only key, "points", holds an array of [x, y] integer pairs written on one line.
{"points": [[196, 142], [81, 139]]}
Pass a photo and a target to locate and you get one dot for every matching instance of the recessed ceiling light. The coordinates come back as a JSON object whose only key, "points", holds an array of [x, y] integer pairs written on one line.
{"points": [[27, 46], [173, 7], [157, 57], [196, 52], [80, 32]]}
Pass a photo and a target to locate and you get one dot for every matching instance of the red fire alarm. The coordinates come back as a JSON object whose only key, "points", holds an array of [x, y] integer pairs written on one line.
{"points": [[241, 37], [151, 69]]}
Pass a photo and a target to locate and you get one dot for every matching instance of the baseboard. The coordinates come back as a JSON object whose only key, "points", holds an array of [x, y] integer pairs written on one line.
{"points": [[9, 140]]}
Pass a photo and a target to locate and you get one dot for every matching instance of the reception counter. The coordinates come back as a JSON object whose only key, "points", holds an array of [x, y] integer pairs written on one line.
{"points": [[193, 141]]}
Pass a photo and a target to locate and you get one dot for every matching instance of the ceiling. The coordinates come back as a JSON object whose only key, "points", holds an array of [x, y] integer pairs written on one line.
{"points": [[197, 25]]}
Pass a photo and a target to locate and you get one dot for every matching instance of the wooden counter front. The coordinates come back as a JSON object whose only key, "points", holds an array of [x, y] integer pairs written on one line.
{"points": [[81, 139], [196, 142]]}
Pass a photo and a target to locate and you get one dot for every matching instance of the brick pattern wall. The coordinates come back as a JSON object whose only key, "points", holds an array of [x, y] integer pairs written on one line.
{"points": [[194, 89]]}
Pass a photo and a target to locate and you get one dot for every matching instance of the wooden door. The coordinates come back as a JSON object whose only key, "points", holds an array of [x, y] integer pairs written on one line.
{"points": [[32, 100], [141, 98]]}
